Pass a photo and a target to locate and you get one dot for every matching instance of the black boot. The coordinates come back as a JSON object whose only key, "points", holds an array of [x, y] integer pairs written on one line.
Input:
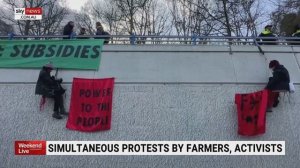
{"points": [[63, 111], [276, 103], [56, 115]]}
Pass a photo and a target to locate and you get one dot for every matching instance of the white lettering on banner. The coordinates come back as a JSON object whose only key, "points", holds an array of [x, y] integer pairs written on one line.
{"points": [[165, 148]]}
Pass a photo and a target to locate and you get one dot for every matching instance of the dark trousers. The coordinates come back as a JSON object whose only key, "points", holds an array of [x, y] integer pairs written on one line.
{"points": [[273, 99], [58, 102]]}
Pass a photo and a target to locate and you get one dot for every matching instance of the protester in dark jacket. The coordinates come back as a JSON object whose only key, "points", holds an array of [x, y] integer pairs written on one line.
{"points": [[100, 31], [68, 30], [281, 77], [267, 33], [48, 86], [280, 80]]}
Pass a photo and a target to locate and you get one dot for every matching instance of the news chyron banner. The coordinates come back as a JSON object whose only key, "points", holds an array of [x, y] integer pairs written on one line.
{"points": [[28, 13], [91, 104], [149, 147], [251, 109], [65, 54]]}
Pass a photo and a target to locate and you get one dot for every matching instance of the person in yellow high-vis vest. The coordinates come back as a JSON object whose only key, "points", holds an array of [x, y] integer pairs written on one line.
{"points": [[297, 35], [267, 33]]}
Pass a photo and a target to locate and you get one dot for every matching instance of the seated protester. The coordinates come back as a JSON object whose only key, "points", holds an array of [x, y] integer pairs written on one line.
{"points": [[297, 35], [82, 33], [48, 86], [280, 80], [267, 33], [68, 30], [100, 31]]}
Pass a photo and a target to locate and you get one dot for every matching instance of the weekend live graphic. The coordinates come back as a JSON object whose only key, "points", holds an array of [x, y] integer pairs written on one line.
{"points": [[149, 147]]}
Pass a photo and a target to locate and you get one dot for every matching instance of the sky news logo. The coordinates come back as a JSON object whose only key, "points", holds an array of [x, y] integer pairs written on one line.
{"points": [[28, 13]]}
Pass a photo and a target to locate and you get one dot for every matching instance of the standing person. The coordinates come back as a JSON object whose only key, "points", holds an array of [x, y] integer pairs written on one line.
{"points": [[297, 35], [280, 80], [68, 30], [267, 33], [100, 31], [48, 86]]}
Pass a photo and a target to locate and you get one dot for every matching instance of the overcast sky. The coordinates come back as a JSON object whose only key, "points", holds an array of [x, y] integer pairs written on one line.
{"points": [[76, 4]]}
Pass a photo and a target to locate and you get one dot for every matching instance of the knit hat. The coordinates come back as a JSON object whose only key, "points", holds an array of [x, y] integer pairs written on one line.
{"points": [[48, 65], [273, 63], [268, 26]]}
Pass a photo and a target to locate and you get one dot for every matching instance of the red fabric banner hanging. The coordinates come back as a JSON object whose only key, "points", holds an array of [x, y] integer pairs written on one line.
{"points": [[91, 104], [251, 108]]}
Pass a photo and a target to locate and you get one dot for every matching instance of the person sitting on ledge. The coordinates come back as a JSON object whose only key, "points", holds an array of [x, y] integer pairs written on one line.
{"points": [[48, 86], [279, 82]]}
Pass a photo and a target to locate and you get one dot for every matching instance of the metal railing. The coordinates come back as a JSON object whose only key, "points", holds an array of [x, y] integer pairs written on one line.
{"points": [[169, 40]]}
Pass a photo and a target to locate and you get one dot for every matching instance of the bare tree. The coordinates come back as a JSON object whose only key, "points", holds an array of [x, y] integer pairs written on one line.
{"points": [[5, 28], [107, 12], [159, 18], [227, 17], [191, 17], [83, 19], [286, 16], [129, 8], [288, 24], [150, 17]]}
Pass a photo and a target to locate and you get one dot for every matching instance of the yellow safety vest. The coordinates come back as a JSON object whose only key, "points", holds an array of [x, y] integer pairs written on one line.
{"points": [[298, 31], [265, 32]]}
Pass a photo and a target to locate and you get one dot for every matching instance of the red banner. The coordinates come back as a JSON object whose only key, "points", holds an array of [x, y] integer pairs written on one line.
{"points": [[251, 110], [91, 104]]}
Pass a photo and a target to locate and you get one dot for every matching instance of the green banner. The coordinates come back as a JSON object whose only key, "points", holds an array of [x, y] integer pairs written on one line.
{"points": [[68, 54]]}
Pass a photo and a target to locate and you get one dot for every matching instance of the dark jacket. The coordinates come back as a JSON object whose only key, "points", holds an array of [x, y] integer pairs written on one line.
{"points": [[266, 33], [82, 34], [280, 79], [45, 84], [103, 33], [68, 30]]}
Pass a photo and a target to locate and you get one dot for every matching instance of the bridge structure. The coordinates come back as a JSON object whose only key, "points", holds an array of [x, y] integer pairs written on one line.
{"points": [[163, 92]]}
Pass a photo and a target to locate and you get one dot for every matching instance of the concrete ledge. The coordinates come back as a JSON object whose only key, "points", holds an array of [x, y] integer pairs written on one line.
{"points": [[279, 49], [164, 48], [245, 48], [145, 113], [296, 48]]}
